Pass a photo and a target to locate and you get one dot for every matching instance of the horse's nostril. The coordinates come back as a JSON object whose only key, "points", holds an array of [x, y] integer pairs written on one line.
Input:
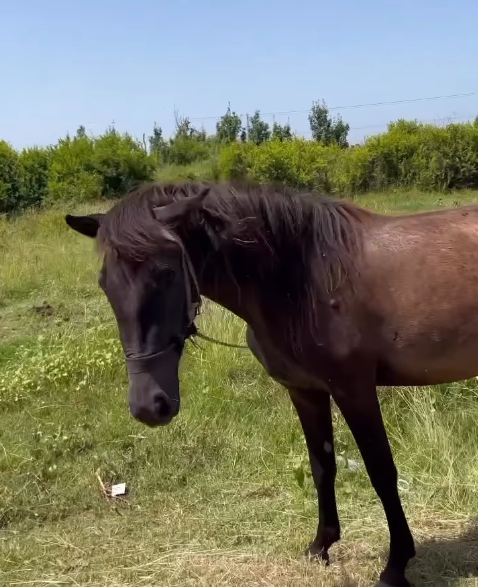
{"points": [[162, 406]]}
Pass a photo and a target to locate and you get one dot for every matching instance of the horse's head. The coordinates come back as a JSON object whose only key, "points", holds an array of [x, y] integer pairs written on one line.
{"points": [[155, 298]]}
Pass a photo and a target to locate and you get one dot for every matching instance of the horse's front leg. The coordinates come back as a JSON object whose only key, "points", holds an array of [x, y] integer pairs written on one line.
{"points": [[313, 408], [358, 402]]}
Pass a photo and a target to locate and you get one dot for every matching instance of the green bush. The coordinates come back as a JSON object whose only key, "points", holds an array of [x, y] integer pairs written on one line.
{"points": [[408, 155], [73, 176], [352, 172], [427, 157], [233, 160], [35, 163], [84, 169], [299, 164], [185, 150], [11, 179], [74, 170], [448, 159], [120, 161]]}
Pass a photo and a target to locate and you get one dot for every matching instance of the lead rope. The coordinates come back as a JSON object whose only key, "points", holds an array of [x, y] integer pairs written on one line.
{"points": [[220, 342], [193, 307]]}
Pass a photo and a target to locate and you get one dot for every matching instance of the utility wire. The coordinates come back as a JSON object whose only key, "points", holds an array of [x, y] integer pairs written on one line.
{"points": [[352, 106]]}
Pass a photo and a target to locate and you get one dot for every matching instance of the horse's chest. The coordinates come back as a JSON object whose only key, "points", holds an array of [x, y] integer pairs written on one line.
{"points": [[282, 368]]}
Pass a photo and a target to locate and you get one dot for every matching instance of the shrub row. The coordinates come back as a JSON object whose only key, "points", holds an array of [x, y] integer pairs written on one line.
{"points": [[408, 155], [75, 169]]}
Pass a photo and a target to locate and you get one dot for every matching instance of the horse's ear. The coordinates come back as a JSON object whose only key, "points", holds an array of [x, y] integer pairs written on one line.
{"points": [[86, 225], [176, 211]]}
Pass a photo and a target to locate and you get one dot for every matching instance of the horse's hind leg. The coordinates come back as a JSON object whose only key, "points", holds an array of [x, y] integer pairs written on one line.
{"points": [[359, 405], [313, 408]]}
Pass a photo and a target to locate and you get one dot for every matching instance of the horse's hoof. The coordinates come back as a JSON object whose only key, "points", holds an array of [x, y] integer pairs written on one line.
{"points": [[317, 553]]}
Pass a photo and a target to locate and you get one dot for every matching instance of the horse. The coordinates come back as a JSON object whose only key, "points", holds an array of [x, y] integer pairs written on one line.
{"points": [[338, 301]]}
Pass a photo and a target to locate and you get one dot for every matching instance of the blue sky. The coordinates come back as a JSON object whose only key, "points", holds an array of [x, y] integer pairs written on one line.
{"points": [[71, 62]]}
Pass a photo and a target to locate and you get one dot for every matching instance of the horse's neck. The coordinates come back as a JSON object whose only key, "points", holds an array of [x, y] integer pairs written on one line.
{"points": [[221, 282], [264, 304], [226, 274]]}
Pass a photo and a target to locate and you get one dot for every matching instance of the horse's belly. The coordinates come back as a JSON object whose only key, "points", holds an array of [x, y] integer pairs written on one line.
{"points": [[424, 368]]}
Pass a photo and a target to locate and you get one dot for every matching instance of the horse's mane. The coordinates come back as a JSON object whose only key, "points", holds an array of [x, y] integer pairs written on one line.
{"points": [[311, 241]]}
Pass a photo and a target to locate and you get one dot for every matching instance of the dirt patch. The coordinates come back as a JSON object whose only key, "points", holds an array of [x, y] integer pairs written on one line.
{"points": [[44, 310]]}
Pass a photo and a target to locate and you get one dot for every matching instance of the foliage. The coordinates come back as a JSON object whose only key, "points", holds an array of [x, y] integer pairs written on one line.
{"points": [[121, 162], [11, 177], [327, 130], [81, 132], [299, 164], [408, 155], [234, 160], [184, 129], [157, 144], [259, 131], [188, 145], [74, 170], [23, 178], [229, 127], [425, 156], [36, 164], [82, 168], [184, 150], [281, 132], [72, 173]]}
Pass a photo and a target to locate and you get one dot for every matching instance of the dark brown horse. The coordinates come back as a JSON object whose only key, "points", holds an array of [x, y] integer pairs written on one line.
{"points": [[338, 301]]}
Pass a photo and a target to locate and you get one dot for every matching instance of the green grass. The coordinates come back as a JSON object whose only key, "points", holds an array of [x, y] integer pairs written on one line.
{"points": [[406, 202], [216, 498], [201, 170]]}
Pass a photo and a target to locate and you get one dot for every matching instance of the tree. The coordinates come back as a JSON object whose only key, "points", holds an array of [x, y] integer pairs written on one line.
{"points": [[188, 143], [259, 131], [325, 129], [229, 127], [183, 126], [281, 133], [157, 144], [340, 131], [81, 132], [184, 129]]}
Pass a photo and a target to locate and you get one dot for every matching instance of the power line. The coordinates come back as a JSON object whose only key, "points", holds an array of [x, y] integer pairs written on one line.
{"points": [[353, 106]]}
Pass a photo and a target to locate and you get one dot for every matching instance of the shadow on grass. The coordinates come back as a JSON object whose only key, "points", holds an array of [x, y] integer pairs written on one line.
{"points": [[447, 562]]}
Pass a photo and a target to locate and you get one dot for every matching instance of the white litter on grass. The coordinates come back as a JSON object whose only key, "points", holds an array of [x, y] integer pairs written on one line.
{"points": [[119, 489], [349, 463]]}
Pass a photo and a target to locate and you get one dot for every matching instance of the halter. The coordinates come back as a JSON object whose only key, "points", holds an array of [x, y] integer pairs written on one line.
{"points": [[193, 305]]}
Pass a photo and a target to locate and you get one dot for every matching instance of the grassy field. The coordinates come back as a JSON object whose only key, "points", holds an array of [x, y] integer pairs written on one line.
{"points": [[223, 495]]}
